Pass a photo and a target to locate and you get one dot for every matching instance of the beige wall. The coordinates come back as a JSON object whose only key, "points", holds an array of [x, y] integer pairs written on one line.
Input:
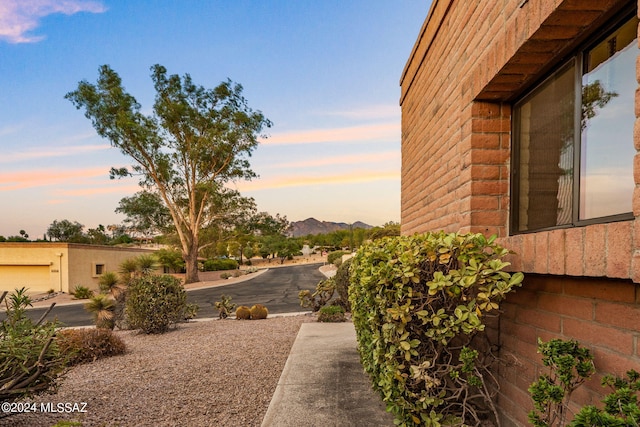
{"points": [[84, 258], [41, 267], [36, 266]]}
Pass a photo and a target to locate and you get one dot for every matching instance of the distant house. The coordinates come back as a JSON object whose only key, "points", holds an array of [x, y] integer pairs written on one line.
{"points": [[519, 118], [41, 267]]}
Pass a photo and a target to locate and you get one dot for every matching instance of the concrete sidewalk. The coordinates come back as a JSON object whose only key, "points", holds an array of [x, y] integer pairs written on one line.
{"points": [[323, 383]]}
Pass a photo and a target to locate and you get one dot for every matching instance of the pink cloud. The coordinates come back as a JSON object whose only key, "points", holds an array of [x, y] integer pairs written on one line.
{"points": [[347, 134], [85, 192], [353, 159], [303, 181], [11, 181], [18, 17], [57, 152]]}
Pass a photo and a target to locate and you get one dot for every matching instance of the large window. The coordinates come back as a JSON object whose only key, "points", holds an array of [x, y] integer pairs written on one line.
{"points": [[573, 134]]}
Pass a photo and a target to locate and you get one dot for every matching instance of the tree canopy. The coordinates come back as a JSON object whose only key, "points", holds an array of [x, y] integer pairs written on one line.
{"points": [[195, 141]]}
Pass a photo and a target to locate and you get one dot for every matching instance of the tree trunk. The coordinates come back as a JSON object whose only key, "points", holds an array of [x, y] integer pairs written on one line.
{"points": [[191, 264]]}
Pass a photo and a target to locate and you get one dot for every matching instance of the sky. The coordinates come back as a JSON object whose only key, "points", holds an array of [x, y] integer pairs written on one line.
{"points": [[325, 72]]}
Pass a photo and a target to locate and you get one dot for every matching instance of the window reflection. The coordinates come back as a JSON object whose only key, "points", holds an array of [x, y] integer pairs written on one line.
{"points": [[606, 150]]}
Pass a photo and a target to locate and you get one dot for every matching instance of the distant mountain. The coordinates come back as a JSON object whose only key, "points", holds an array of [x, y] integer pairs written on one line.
{"points": [[313, 226]]}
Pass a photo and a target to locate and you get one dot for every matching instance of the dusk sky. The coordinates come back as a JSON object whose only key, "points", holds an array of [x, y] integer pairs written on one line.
{"points": [[325, 72]]}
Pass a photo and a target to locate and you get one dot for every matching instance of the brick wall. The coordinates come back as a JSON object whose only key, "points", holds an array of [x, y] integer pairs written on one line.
{"points": [[471, 60], [601, 314], [466, 67]]}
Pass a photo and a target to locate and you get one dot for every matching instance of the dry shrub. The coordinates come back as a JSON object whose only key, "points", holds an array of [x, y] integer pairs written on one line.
{"points": [[88, 345]]}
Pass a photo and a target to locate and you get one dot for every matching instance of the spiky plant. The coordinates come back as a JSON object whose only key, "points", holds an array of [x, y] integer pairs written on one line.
{"points": [[109, 283], [128, 269], [103, 310], [146, 263]]}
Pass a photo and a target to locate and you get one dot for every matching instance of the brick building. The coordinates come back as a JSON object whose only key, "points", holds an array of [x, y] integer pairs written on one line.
{"points": [[519, 118]]}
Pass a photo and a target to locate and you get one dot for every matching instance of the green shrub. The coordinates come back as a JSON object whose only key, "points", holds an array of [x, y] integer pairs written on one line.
{"points": [[155, 302], [569, 366], [82, 292], [333, 257], [67, 423], [621, 406], [220, 264], [88, 345], [30, 360], [225, 275], [331, 313], [342, 280], [418, 305]]}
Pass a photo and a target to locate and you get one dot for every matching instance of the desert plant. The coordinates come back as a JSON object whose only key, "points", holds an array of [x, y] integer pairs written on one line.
{"points": [[155, 302], [418, 305], [146, 263], [342, 281], [67, 423], [224, 306], [190, 311], [109, 283], [87, 344], [102, 308], [243, 313], [30, 360], [258, 311], [333, 257], [225, 275], [331, 313], [128, 269], [82, 292], [324, 291]]}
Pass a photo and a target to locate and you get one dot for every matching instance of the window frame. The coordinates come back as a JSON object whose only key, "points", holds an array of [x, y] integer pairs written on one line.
{"points": [[577, 57]]}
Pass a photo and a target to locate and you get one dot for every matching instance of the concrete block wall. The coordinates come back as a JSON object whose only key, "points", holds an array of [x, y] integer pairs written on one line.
{"points": [[469, 63]]}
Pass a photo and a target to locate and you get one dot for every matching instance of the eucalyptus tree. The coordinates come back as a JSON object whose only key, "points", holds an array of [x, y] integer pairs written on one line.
{"points": [[193, 142]]}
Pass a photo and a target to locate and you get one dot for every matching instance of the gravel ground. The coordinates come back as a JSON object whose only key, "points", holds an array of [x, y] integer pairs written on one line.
{"points": [[210, 373]]}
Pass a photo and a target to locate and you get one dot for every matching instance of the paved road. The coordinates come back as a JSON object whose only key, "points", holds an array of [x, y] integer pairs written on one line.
{"points": [[277, 289]]}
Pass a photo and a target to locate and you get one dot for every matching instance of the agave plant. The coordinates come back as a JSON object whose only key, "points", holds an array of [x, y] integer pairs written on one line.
{"points": [[103, 310]]}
